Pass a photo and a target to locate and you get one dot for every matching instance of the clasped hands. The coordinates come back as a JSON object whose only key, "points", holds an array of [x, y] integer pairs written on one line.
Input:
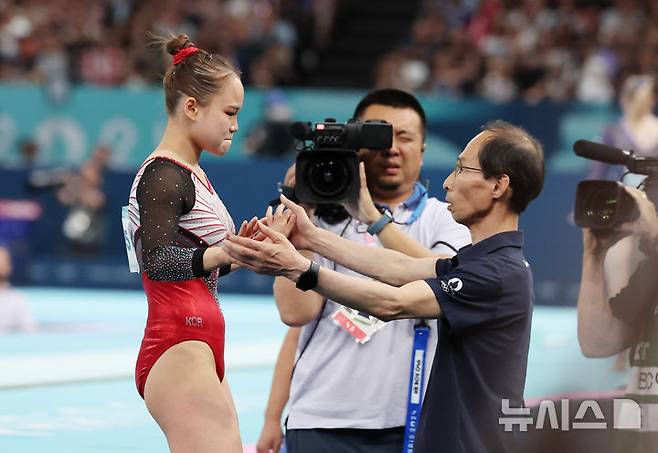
{"points": [[269, 245]]}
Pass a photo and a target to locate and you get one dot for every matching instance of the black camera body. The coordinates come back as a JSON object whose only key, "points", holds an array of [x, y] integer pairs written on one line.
{"points": [[328, 170], [605, 205]]}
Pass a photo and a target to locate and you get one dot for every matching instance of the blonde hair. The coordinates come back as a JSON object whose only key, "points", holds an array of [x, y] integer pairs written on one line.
{"points": [[633, 84]]}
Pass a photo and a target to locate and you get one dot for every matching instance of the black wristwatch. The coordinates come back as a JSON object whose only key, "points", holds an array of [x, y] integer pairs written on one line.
{"points": [[309, 279]]}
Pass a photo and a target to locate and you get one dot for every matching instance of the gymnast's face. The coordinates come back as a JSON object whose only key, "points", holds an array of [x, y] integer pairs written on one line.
{"points": [[213, 125]]}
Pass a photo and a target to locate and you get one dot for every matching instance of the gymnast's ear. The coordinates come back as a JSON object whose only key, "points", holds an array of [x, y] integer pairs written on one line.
{"points": [[190, 108]]}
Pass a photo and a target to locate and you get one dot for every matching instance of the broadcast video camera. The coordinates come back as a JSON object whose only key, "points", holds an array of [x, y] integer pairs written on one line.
{"points": [[327, 171], [605, 205]]}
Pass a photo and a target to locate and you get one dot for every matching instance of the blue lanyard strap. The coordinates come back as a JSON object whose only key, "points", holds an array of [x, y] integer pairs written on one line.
{"points": [[417, 201], [418, 210], [416, 382]]}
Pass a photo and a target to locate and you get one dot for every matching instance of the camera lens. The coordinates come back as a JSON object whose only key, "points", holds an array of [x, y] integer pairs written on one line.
{"points": [[327, 177], [601, 206]]}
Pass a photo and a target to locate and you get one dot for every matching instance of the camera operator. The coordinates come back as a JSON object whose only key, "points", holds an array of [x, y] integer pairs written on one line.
{"points": [[345, 395], [618, 309]]}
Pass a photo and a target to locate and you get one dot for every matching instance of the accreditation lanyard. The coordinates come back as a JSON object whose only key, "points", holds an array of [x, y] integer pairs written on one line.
{"points": [[417, 201], [416, 378]]}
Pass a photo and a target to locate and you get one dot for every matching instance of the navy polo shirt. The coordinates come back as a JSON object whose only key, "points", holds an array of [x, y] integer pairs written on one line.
{"points": [[486, 297]]}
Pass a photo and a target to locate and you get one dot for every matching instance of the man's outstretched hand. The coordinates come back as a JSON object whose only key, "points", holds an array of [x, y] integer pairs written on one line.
{"points": [[274, 256], [304, 230], [363, 209]]}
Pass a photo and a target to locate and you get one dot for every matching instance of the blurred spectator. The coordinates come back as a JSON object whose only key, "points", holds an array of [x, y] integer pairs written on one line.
{"points": [[82, 192], [500, 49], [402, 73], [637, 129], [621, 21], [104, 43], [272, 137], [272, 68], [104, 64], [51, 67], [29, 153], [595, 84], [15, 315], [528, 49], [497, 84]]}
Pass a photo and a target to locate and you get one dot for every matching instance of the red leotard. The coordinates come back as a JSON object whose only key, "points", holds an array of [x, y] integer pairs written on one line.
{"points": [[177, 215]]}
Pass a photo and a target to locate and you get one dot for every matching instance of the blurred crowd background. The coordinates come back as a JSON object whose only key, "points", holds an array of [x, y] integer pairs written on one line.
{"points": [[497, 49], [81, 105]]}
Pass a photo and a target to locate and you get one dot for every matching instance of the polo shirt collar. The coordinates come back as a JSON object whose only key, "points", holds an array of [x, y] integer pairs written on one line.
{"points": [[491, 244], [412, 202]]}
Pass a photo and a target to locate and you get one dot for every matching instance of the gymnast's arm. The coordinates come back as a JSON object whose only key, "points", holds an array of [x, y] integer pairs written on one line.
{"points": [[166, 192]]}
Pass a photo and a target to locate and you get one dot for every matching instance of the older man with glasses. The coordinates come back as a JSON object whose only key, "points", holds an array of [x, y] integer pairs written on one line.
{"points": [[482, 297]]}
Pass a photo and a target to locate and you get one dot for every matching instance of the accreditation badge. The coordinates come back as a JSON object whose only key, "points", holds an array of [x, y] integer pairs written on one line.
{"points": [[129, 237], [361, 326]]}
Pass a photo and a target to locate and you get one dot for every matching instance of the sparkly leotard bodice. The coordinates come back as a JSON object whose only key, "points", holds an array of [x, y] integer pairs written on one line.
{"points": [[177, 216]]}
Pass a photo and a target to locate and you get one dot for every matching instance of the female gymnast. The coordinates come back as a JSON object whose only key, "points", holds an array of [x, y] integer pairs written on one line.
{"points": [[180, 225]]}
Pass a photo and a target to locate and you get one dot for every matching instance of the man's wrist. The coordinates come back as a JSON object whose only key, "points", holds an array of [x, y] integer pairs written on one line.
{"points": [[301, 266], [372, 216], [315, 240], [309, 278], [376, 227]]}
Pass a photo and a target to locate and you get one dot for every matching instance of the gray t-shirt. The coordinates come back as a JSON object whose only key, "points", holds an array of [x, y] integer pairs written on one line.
{"points": [[339, 383]]}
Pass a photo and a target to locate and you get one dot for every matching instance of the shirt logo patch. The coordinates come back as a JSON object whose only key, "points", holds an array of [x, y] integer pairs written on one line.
{"points": [[452, 286]]}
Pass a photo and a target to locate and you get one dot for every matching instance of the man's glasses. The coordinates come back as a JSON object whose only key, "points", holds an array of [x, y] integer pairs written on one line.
{"points": [[459, 169]]}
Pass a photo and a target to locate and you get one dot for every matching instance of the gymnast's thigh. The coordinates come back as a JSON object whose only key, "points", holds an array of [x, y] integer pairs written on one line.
{"points": [[184, 380]]}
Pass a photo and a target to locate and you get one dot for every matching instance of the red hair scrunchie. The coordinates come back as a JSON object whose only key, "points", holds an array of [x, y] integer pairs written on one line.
{"points": [[184, 53]]}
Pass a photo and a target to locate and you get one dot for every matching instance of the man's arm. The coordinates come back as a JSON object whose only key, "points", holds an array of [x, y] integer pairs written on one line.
{"points": [[412, 300], [296, 307], [271, 436], [392, 237], [600, 333], [385, 265], [386, 302]]}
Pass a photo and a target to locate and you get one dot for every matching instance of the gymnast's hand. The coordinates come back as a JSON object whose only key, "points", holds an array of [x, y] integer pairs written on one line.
{"points": [[274, 257], [248, 229], [304, 230], [281, 220]]}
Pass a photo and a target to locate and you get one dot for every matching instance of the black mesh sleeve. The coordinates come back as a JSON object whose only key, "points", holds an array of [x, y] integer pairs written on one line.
{"points": [[165, 192]]}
